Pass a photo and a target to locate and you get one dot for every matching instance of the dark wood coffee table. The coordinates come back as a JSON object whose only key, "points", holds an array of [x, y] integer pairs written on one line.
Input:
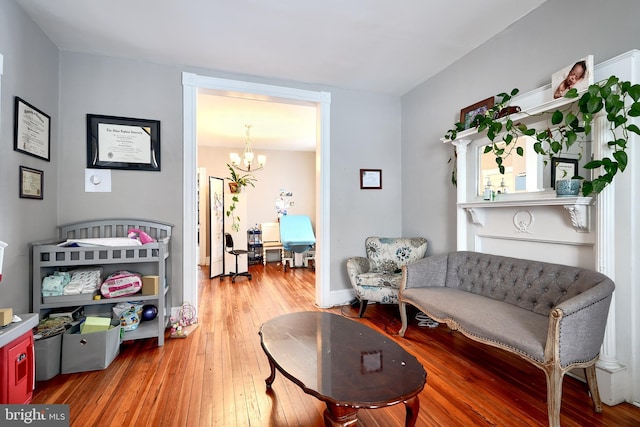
{"points": [[343, 363]]}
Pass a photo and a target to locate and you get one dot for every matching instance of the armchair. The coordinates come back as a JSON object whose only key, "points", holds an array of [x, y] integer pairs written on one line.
{"points": [[377, 277]]}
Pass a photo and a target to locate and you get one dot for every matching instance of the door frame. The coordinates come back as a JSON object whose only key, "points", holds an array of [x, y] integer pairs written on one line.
{"points": [[191, 84]]}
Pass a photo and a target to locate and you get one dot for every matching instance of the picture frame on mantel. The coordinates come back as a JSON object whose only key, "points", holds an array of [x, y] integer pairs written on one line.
{"points": [[563, 168], [123, 143], [31, 130], [469, 113], [578, 75]]}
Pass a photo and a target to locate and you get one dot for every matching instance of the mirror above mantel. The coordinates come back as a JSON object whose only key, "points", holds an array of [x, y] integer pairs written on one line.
{"points": [[529, 173]]}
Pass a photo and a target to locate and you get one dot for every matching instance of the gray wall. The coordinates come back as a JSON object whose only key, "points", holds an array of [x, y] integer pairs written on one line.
{"points": [[525, 56], [30, 72]]}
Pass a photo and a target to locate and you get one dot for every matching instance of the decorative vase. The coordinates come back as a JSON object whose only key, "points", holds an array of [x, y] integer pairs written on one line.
{"points": [[234, 188], [568, 187]]}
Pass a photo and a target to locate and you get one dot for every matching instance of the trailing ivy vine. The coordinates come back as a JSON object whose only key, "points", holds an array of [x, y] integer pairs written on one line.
{"points": [[567, 126]]}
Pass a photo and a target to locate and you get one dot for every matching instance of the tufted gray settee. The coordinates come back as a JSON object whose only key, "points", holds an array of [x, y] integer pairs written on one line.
{"points": [[552, 315]]}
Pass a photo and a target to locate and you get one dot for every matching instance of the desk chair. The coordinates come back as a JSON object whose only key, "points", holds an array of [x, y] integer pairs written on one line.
{"points": [[235, 252], [270, 239]]}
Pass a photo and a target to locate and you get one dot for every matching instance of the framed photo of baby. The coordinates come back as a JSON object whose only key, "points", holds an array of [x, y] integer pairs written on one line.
{"points": [[578, 75]]}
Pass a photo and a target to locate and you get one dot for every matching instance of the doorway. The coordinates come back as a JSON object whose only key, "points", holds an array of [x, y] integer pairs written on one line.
{"points": [[192, 83]]}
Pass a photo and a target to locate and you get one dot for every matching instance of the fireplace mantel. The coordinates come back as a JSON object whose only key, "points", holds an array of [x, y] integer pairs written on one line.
{"points": [[577, 207]]}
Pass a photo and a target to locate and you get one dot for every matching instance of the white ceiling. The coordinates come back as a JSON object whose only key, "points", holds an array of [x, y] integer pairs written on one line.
{"points": [[373, 45]]}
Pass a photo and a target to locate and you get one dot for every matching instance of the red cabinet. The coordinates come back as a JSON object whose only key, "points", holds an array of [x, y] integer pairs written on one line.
{"points": [[17, 365]]}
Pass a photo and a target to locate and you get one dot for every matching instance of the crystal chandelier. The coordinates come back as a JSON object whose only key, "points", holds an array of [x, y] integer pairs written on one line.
{"points": [[246, 162]]}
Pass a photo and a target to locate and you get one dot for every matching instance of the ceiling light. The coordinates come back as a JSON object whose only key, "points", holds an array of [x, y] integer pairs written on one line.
{"points": [[246, 162]]}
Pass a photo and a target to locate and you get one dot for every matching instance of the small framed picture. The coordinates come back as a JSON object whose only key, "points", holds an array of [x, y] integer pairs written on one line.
{"points": [[370, 179], [563, 168], [578, 75], [31, 130], [31, 183], [467, 115], [123, 143]]}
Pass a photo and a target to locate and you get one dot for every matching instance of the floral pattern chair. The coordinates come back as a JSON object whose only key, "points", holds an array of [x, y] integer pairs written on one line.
{"points": [[377, 277]]}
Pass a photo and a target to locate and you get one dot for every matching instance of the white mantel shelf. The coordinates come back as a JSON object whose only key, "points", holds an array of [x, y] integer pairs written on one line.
{"points": [[576, 206]]}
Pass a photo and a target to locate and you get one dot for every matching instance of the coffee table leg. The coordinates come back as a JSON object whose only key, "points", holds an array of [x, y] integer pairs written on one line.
{"points": [[272, 377], [413, 407], [340, 416]]}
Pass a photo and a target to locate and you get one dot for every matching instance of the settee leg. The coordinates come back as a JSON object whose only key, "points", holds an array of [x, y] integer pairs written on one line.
{"points": [[592, 381], [403, 317], [363, 307], [554, 394]]}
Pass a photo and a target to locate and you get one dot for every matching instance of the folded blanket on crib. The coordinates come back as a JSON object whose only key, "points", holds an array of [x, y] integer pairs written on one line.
{"points": [[105, 241]]}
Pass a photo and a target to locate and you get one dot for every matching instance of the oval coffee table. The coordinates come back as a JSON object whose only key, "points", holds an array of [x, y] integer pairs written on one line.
{"points": [[343, 363]]}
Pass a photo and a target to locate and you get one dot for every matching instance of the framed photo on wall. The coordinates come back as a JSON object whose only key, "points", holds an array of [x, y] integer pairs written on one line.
{"points": [[31, 130], [370, 179], [123, 143], [31, 183], [469, 113]]}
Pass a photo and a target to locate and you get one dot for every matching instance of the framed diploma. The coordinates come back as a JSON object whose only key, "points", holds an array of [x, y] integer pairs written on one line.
{"points": [[31, 130], [123, 143], [371, 179], [31, 181]]}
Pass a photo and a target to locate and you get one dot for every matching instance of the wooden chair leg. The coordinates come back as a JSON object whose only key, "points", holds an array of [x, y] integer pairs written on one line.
{"points": [[363, 307], [403, 317], [592, 381], [554, 394]]}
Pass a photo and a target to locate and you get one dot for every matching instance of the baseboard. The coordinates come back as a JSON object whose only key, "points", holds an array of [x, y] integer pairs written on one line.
{"points": [[612, 384], [341, 297]]}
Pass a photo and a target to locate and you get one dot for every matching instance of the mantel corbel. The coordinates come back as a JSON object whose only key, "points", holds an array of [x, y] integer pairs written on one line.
{"points": [[579, 217], [476, 218]]}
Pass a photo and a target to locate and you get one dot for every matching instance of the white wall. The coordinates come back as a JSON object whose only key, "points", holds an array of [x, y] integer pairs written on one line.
{"points": [[30, 63]]}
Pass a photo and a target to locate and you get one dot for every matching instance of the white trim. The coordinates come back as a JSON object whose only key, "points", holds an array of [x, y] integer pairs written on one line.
{"points": [[1, 71], [191, 83], [189, 211]]}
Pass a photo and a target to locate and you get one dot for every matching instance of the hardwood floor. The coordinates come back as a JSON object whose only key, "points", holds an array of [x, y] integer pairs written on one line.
{"points": [[215, 377]]}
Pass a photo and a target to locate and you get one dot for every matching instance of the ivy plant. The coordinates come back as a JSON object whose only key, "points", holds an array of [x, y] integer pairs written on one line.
{"points": [[239, 181], [617, 99]]}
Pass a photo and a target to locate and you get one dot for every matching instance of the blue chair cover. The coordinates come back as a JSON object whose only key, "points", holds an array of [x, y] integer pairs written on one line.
{"points": [[296, 233]]}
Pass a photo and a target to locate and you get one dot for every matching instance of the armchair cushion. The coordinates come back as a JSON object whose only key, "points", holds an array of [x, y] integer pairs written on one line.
{"points": [[388, 255]]}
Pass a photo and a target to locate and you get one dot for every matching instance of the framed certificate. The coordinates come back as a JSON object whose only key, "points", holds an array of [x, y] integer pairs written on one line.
{"points": [[371, 179], [31, 182], [123, 143], [31, 130]]}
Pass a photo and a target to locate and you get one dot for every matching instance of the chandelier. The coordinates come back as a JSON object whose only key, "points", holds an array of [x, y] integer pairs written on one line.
{"points": [[246, 162]]}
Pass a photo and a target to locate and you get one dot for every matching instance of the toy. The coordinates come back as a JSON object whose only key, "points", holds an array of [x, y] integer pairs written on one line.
{"points": [[149, 312], [135, 233], [185, 323]]}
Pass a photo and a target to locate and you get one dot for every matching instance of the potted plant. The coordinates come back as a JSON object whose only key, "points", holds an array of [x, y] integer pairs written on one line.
{"points": [[236, 183], [567, 125]]}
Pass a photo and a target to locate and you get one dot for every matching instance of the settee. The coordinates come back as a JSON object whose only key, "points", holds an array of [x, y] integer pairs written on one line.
{"points": [[551, 315], [377, 276]]}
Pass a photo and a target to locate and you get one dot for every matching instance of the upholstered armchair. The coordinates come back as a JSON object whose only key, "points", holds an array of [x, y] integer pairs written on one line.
{"points": [[377, 277]]}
